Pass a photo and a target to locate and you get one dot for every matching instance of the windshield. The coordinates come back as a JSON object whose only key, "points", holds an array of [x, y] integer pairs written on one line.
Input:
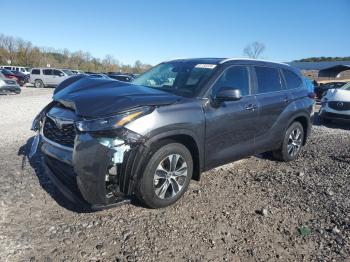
{"points": [[346, 87], [181, 78]]}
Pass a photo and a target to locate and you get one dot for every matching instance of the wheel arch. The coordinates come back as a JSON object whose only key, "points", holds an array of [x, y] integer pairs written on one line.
{"points": [[188, 139], [36, 79]]}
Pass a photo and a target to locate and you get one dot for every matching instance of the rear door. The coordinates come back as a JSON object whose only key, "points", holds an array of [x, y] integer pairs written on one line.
{"points": [[272, 99], [231, 125], [47, 76]]}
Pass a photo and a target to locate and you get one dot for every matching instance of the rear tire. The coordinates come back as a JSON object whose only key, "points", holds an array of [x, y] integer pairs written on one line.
{"points": [[292, 143], [166, 176], [38, 83]]}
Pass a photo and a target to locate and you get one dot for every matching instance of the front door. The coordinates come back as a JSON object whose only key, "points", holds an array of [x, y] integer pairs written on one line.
{"points": [[58, 77], [230, 125]]}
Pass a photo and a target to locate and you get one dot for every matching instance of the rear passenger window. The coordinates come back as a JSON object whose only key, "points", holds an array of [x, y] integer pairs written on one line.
{"points": [[293, 81], [235, 77], [35, 72], [47, 71], [268, 79]]}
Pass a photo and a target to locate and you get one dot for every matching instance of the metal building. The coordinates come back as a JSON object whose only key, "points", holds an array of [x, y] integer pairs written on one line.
{"points": [[333, 70]]}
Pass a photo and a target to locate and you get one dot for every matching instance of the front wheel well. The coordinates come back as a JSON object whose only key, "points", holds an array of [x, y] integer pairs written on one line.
{"points": [[305, 123], [191, 145]]}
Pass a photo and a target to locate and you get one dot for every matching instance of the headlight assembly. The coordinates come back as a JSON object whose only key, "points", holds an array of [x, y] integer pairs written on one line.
{"points": [[112, 122]]}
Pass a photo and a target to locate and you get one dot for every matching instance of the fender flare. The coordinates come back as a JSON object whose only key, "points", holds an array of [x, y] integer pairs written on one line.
{"points": [[177, 132]]}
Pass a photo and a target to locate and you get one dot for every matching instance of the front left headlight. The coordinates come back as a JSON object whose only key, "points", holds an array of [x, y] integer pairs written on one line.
{"points": [[112, 122]]}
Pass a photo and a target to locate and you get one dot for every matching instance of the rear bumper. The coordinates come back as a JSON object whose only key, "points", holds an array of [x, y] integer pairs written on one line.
{"points": [[10, 89], [81, 173]]}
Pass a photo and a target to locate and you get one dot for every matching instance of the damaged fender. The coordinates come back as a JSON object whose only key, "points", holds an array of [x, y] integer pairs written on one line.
{"points": [[102, 167]]}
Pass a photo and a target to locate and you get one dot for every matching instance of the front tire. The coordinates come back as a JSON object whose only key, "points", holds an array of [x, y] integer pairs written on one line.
{"points": [[39, 83], [166, 176], [292, 143]]}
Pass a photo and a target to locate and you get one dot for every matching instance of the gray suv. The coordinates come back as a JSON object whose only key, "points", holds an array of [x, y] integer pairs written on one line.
{"points": [[104, 141]]}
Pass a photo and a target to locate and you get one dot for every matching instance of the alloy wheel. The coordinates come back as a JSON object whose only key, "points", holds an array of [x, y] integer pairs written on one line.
{"points": [[294, 142], [38, 84], [170, 176]]}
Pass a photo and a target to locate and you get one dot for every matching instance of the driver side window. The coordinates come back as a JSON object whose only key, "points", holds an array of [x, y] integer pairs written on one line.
{"points": [[235, 77]]}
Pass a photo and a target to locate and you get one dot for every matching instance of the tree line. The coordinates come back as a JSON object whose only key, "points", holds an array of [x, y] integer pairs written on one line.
{"points": [[324, 59], [20, 52]]}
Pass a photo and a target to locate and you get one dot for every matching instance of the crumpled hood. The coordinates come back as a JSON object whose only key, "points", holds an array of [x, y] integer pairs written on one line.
{"points": [[338, 95], [94, 97]]}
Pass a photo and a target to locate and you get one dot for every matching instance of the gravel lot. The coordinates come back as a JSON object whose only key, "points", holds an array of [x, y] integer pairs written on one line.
{"points": [[254, 210]]}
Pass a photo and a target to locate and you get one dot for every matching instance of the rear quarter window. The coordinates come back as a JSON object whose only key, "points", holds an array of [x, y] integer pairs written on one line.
{"points": [[268, 79], [292, 79]]}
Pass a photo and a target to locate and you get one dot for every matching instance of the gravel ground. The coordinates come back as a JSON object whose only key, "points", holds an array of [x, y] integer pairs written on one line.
{"points": [[253, 210]]}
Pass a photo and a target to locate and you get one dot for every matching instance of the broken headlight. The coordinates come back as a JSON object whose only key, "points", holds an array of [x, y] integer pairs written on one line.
{"points": [[112, 122]]}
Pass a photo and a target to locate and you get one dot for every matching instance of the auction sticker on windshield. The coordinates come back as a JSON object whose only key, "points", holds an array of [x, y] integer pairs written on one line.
{"points": [[209, 66]]}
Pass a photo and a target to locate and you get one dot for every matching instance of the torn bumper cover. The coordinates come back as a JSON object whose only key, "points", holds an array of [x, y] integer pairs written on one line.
{"points": [[98, 171]]}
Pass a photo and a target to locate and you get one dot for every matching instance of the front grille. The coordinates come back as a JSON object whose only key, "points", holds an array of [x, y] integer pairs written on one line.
{"points": [[338, 105], [64, 136]]}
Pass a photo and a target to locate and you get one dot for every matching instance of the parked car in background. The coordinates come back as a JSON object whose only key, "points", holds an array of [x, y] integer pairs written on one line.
{"points": [[68, 72], [99, 75], [135, 75], [8, 74], [321, 89], [77, 72], [121, 77], [335, 104], [41, 77], [8, 86], [22, 78], [22, 69], [104, 141]]}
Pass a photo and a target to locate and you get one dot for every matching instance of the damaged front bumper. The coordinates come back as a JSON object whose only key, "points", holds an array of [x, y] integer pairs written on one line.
{"points": [[99, 171]]}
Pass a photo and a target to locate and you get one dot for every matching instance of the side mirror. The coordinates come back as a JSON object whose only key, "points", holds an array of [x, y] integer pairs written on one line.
{"points": [[61, 74], [228, 94]]}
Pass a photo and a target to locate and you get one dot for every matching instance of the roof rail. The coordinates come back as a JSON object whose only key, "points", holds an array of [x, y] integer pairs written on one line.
{"points": [[249, 59]]}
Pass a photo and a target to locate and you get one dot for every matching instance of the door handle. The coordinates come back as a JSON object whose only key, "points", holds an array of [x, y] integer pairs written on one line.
{"points": [[250, 107], [286, 100]]}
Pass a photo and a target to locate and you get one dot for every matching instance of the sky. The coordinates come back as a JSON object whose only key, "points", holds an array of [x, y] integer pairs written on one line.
{"points": [[156, 30]]}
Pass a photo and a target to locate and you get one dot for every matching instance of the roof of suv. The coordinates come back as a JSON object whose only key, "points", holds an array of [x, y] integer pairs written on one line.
{"points": [[225, 60], [53, 68]]}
